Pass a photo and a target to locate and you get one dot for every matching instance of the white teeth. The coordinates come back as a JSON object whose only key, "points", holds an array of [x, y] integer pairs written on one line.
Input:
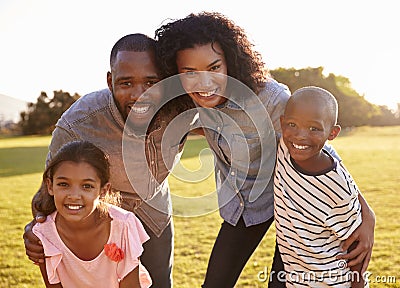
{"points": [[207, 94], [140, 109], [74, 207], [300, 147]]}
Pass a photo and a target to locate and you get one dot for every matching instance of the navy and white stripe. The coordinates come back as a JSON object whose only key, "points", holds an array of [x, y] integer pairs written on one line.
{"points": [[313, 215]]}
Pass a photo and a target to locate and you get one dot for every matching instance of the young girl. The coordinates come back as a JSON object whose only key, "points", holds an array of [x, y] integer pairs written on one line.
{"points": [[87, 242], [211, 55]]}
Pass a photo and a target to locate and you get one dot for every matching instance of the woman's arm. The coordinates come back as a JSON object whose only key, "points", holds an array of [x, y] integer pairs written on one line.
{"points": [[363, 236]]}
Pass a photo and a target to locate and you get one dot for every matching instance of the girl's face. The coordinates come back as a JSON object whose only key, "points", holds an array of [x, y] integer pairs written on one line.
{"points": [[203, 73], [76, 188]]}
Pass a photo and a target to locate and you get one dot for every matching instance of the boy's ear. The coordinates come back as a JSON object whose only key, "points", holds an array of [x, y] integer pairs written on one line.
{"points": [[49, 185], [335, 130], [281, 119]]}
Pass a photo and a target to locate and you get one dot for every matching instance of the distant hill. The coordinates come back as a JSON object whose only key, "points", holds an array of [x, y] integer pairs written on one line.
{"points": [[10, 108]]}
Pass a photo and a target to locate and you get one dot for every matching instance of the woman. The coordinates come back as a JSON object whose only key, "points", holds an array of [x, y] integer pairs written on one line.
{"points": [[240, 106]]}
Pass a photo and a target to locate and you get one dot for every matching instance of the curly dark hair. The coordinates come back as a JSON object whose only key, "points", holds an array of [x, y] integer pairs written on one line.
{"points": [[243, 62]]}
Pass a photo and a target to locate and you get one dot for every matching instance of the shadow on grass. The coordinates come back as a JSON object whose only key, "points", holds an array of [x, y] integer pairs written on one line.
{"points": [[22, 160], [193, 146]]}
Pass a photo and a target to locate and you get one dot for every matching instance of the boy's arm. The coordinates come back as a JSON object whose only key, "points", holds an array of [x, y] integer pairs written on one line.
{"points": [[42, 267], [364, 234]]}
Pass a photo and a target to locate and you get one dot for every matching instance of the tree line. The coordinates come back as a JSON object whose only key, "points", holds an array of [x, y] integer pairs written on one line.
{"points": [[41, 117]]}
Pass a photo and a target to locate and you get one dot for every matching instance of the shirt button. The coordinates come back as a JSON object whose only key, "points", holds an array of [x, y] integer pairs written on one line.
{"points": [[219, 128], [241, 204], [232, 173]]}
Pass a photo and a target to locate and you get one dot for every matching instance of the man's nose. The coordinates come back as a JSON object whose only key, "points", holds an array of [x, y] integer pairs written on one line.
{"points": [[137, 90]]}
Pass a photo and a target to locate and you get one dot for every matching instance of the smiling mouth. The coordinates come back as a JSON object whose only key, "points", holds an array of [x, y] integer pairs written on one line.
{"points": [[207, 94], [300, 147], [73, 206], [139, 108]]}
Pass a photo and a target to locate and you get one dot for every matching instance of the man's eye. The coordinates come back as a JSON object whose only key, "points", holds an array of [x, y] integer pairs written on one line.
{"points": [[151, 83], [127, 84]]}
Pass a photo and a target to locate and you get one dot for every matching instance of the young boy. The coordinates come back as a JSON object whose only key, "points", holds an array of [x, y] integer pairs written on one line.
{"points": [[316, 199]]}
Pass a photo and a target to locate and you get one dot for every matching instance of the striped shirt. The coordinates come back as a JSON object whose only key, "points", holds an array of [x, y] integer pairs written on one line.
{"points": [[313, 215]]}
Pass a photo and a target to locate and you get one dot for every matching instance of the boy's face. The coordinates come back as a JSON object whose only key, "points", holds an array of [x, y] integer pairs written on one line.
{"points": [[306, 125]]}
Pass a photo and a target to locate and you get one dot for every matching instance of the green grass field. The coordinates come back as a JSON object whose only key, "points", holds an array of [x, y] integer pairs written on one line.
{"points": [[371, 154]]}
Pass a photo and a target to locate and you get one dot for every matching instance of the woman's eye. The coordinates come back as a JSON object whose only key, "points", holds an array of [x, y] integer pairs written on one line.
{"points": [[190, 73], [215, 68]]}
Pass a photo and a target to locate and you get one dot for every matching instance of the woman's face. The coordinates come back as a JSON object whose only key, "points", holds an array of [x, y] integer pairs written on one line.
{"points": [[203, 73]]}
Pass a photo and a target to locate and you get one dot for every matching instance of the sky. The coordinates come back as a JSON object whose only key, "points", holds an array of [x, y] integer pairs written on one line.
{"points": [[48, 45]]}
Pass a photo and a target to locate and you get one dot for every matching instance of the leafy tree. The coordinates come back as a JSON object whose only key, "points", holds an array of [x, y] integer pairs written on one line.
{"points": [[41, 117], [354, 110]]}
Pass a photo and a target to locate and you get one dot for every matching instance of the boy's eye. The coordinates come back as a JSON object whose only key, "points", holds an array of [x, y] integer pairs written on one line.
{"points": [[127, 84]]}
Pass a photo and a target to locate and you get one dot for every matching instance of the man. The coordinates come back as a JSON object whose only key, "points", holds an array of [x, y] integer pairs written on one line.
{"points": [[100, 118]]}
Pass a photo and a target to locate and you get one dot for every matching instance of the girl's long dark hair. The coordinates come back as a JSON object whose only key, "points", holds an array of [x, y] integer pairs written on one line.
{"points": [[76, 151]]}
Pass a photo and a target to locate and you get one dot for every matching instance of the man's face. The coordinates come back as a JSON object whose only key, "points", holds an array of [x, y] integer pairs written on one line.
{"points": [[132, 74]]}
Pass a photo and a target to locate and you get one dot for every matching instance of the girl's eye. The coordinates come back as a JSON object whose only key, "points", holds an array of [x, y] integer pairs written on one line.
{"points": [[88, 186], [62, 184]]}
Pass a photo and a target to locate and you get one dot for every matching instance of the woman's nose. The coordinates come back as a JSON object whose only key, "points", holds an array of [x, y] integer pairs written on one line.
{"points": [[205, 79]]}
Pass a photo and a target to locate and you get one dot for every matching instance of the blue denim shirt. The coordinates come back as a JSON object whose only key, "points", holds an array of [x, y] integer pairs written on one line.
{"points": [[95, 118], [242, 135]]}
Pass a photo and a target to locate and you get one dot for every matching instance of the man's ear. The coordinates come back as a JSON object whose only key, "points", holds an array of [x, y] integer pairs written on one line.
{"points": [[109, 81], [335, 130], [49, 185]]}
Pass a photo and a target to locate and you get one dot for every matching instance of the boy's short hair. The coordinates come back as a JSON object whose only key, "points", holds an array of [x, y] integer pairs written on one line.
{"points": [[319, 94]]}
